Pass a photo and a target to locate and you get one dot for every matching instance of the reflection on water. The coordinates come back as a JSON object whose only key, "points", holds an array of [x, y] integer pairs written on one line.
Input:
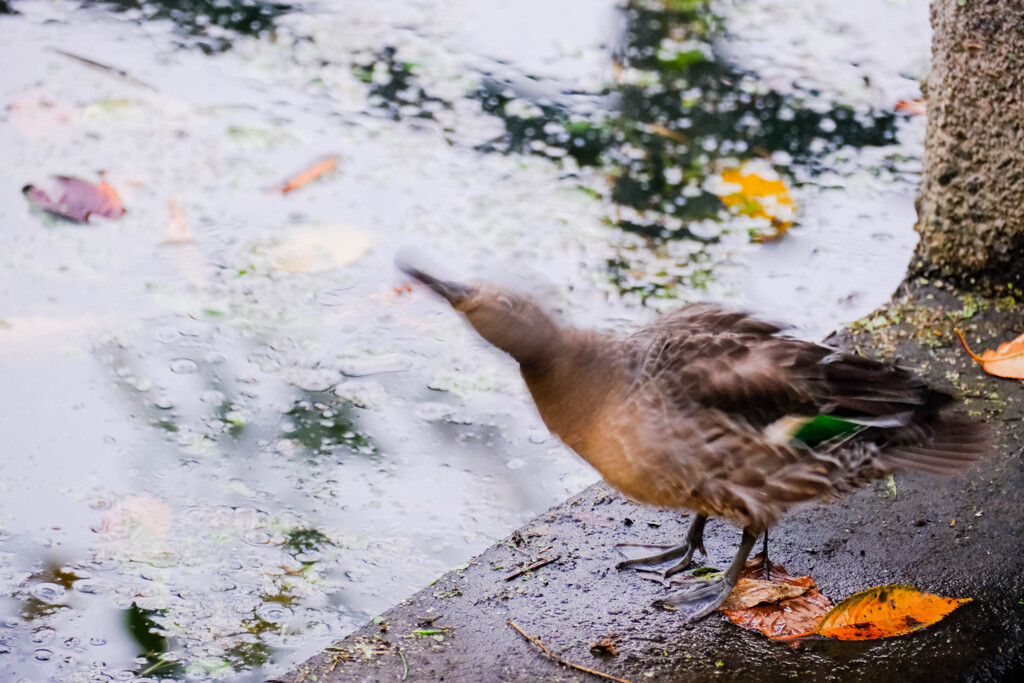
{"points": [[211, 25], [219, 465]]}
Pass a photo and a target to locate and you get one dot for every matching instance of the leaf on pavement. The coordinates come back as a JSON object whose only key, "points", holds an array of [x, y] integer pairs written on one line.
{"points": [[1005, 361], [776, 615], [883, 612]]}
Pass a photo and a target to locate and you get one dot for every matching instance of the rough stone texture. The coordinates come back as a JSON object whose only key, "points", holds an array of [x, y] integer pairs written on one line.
{"points": [[969, 212], [869, 538]]}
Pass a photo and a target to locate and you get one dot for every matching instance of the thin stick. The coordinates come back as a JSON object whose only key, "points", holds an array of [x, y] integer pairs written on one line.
{"points": [[536, 565], [120, 73], [536, 641]]}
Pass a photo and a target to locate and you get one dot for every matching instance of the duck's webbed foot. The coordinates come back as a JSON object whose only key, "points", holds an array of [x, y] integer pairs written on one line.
{"points": [[701, 597], [694, 541]]}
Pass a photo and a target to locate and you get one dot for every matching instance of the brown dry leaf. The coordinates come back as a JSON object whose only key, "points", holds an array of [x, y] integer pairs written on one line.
{"points": [[786, 617], [177, 228], [748, 192], [1005, 361], [320, 249], [883, 612], [751, 592], [78, 199], [916, 107], [325, 165]]}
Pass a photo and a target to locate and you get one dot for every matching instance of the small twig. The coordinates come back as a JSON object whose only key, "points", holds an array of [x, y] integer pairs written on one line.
{"points": [[405, 665], [120, 73], [536, 641], [543, 562], [515, 547]]}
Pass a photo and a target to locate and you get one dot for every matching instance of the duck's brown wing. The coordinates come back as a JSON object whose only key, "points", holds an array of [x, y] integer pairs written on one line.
{"points": [[732, 362]]}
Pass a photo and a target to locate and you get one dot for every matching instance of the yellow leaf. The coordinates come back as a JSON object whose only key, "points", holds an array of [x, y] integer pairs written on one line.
{"points": [[747, 192]]}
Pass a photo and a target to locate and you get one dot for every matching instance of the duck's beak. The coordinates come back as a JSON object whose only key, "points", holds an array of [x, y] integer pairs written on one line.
{"points": [[454, 292]]}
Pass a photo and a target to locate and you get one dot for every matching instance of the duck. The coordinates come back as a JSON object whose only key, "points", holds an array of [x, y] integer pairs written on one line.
{"points": [[716, 412]]}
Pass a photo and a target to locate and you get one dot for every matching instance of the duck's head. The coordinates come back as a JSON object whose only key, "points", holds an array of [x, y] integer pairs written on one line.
{"points": [[513, 322]]}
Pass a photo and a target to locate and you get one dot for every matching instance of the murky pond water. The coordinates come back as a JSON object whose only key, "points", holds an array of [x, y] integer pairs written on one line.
{"points": [[227, 444]]}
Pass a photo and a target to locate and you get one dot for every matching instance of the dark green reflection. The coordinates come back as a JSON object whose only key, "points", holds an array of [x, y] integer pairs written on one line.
{"points": [[323, 423], [679, 114], [144, 630], [393, 87], [195, 18]]}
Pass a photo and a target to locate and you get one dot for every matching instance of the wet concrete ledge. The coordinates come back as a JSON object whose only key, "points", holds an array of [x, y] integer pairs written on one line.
{"points": [[457, 629]]}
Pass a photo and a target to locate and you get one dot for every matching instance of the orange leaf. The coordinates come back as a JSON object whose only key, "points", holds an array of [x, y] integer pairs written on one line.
{"points": [[1006, 361], [784, 617], [883, 612], [78, 199], [325, 165], [758, 197], [916, 107]]}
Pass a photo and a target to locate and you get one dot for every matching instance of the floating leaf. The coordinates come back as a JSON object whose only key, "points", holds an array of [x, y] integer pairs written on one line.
{"points": [[35, 114], [177, 227], [1005, 361], [748, 192], [916, 107], [774, 614], [325, 165], [883, 612], [320, 249], [78, 200]]}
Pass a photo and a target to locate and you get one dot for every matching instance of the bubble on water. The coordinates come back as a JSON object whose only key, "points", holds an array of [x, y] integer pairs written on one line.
{"points": [[50, 593], [43, 655], [96, 641], [273, 612], [72, 642], [163, 402], [257, 537], [433, 410], [183, 366], [90, 586], [309, 556], [212, 397], [214, 357], [515, 464], [10, 622], [43, 635]]}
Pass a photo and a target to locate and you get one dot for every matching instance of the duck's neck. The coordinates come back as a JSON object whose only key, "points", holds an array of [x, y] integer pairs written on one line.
{"points": [[570, 384]]}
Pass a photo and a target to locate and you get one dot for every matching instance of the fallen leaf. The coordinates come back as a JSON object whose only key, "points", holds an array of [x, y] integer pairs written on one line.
{"points": [[177, 228], [589, 517], [789, 615], [750, 191], [605, 647], [325, 165], [1005, 361], [918, 107], [35, 114], [752, 592], [319, 249], [78, 200], [136, 514], [883, 612]]}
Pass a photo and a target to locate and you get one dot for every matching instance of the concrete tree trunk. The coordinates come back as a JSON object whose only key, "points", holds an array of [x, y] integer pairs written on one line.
{"points": [[969, 210]]}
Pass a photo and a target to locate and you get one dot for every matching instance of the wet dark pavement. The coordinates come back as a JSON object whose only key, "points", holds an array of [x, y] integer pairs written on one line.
{"points": [[957, 537]]}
